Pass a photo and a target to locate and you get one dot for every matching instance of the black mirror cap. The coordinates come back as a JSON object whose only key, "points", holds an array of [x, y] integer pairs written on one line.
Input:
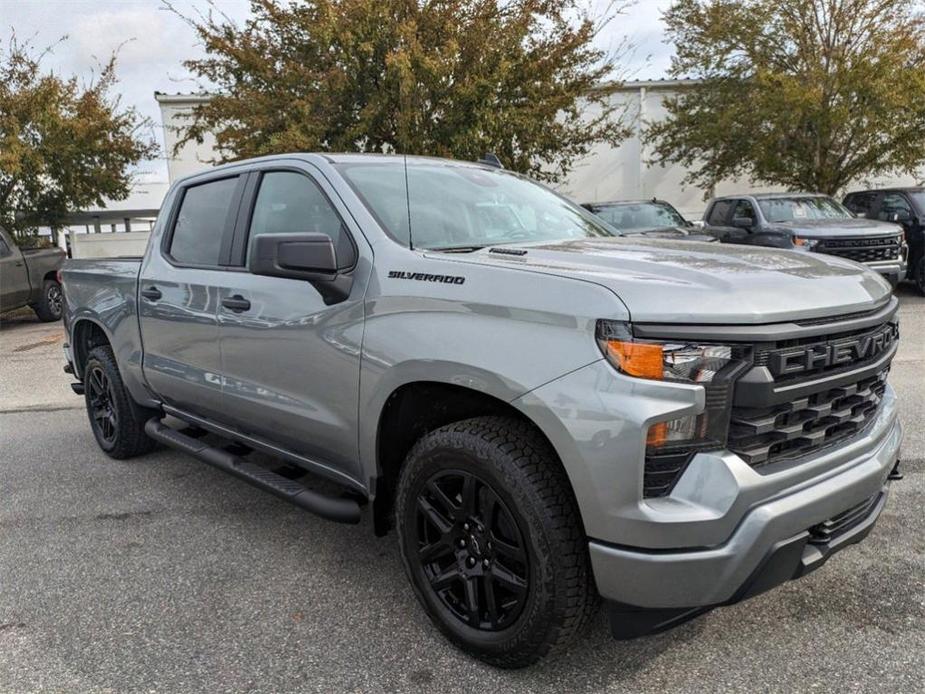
{"points": [[304, 256], [743, 222]]}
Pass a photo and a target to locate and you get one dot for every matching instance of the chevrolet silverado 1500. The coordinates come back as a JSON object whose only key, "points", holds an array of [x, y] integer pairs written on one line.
{"points": [[544, 411]]}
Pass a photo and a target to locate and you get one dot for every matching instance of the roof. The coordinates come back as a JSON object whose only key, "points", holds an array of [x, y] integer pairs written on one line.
{"points": [[773, 196], [894, 189], [616, 203]]}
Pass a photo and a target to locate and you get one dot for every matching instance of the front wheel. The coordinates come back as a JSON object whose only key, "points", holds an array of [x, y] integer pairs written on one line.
{"points": [[492, 542], [50, 305], [117, 421]]}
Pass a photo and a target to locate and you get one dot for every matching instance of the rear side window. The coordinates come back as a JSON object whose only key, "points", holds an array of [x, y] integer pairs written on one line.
{"points": [[4, 249], [291, 203], [893, 203], [744, 209], [719, 213], [860, 203], [201, 222]]}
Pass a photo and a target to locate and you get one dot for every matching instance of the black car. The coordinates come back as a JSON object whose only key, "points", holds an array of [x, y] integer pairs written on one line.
{"points": [[651, 218], [809, 222], [905, 206]]}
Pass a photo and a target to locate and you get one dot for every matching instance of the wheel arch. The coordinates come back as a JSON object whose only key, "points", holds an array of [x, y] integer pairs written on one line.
{"points": [[416, 408], [86, 333]]}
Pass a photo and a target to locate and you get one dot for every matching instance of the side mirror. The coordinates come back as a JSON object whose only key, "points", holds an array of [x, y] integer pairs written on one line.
{"points": [[900, 216], [743, 222], [697, 224], [309, 257]]}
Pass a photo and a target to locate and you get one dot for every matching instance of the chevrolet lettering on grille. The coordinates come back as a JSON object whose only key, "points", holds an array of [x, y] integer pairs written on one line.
{"points": [[835, 353]]}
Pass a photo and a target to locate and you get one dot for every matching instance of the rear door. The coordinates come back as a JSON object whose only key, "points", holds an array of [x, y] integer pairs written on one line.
{"points": [[180, 286], [14, 277], [291, 361]]}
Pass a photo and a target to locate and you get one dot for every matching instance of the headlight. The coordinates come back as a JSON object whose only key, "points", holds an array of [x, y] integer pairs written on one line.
{"points": [[714, 366], [808, 244]]}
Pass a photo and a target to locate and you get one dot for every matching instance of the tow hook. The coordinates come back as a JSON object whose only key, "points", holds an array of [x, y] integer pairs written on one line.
{"points": [[895, 474]]}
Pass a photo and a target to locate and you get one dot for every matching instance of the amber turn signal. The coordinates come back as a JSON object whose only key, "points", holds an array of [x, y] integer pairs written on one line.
{"points": [[637, 358]]}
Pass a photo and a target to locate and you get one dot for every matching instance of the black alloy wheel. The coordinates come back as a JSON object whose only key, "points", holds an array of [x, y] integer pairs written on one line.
{"points": [[471, 550], [54, 298], [101, 400]]}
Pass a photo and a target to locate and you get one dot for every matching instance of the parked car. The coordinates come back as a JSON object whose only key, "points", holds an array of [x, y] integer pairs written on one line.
{"points": [[29, 278], [809, 222], [543, 410], [905, 206], [652, 218]]}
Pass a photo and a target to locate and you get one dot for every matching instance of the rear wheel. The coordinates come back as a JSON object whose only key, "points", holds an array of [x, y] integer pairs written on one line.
{"points": [[50, 305], [492, 541], [117, 421]]}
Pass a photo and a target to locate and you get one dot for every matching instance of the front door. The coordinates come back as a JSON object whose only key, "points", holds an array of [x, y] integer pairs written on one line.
{"points": [[291, 362], [14, 278], [180, 287]]}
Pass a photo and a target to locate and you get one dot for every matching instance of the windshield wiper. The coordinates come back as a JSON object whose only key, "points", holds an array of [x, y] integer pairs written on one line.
{"points": [[457, 249]]}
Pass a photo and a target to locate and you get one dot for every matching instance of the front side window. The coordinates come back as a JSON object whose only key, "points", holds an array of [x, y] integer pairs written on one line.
{"points": [[201, 223], [640, 216], [894, 203], [798, 209], [744, 210], [291, 203], [449, 206]]}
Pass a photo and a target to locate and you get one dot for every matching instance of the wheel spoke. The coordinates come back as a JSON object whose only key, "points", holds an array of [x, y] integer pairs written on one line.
{"points": [[508, 580], [506, 549], [431, 513], [490, 603], [472, 601], [469, 495], [448, 505], [446, 579], [435, 550]]}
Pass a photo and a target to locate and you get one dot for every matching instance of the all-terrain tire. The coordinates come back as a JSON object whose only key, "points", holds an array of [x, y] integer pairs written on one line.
{"points": [[516, 466], [49, 307], [117, 421]]}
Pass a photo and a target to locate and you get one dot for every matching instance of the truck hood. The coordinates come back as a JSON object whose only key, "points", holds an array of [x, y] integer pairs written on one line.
{"points": [[692, 282], [846, 228]]}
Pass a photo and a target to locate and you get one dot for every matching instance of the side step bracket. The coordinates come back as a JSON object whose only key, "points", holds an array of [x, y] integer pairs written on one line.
{"points": [[341, 510]]}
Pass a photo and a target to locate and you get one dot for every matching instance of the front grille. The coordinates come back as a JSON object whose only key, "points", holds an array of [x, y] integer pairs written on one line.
{"points": [[836, 526], [862, 250], [765, 435]]}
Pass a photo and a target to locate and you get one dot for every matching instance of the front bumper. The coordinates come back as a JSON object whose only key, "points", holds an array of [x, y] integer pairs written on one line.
{"points": [[775, 534], [894, 271]]}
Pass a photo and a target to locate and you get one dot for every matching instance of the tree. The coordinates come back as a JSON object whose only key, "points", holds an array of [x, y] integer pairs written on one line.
{"points": [[63, 145], [806, 94], [456, 78]]}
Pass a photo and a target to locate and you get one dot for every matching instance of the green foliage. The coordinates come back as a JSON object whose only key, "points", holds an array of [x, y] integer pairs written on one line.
{"points": [[453, 78], [807, 94], [63, 145]]}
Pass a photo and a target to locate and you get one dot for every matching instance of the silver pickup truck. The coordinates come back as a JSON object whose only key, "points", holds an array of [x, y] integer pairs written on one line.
{"points": [[546, 412], [30, 278]]}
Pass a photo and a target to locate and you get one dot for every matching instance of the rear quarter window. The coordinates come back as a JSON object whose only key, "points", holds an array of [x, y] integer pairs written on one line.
{"points": [[719, 213]]}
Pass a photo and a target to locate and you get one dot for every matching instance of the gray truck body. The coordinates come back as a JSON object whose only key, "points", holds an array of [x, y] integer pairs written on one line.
{"points": [[311, 381], [23, 273]]}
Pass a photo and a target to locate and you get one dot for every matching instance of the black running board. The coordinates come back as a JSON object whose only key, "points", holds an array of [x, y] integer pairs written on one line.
{"points": [[336, 509]]}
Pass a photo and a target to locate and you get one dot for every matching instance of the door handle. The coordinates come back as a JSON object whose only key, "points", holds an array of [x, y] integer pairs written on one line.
{"points": [[236, 303], [151, 293]]}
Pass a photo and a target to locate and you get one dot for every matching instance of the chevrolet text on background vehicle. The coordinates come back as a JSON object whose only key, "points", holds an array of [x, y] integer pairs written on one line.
{"points": [[587, 415]]}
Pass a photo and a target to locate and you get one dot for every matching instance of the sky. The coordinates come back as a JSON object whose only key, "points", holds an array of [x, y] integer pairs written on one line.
{"points": [[153, 42]]}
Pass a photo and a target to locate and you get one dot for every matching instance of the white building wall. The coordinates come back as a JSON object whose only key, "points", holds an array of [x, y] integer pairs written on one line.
{"points": [[606, 173]]}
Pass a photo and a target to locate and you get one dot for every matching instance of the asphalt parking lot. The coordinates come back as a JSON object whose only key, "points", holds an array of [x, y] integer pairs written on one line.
{"points": [[162, 574]]}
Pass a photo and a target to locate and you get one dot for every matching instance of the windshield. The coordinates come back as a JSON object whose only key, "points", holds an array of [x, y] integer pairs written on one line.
{"points": [[459, 206], [799, 209], [640, 216]]}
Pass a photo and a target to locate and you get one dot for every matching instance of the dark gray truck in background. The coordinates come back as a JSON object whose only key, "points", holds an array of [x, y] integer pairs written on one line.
{"points": [[809, 222], [29, 278], [546, 412]]}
